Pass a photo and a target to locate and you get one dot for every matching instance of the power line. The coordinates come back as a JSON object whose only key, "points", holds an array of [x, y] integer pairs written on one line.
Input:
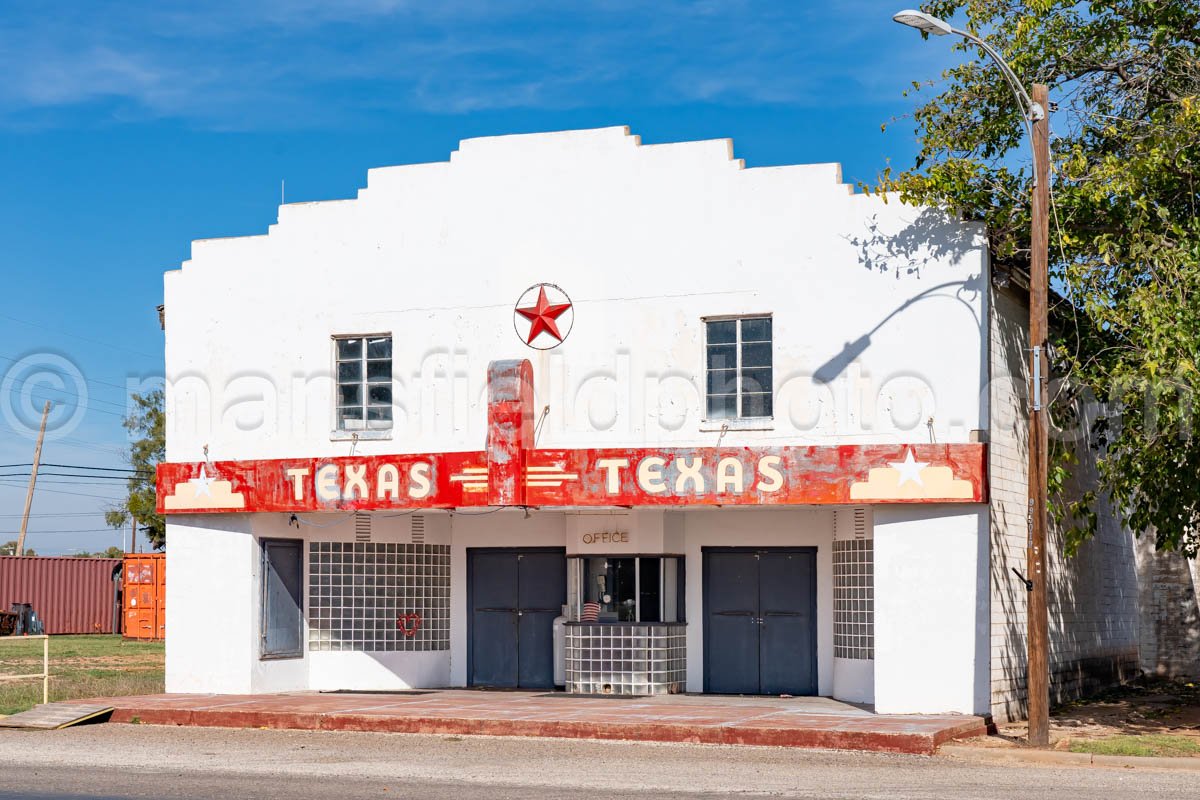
{"points": [[77, 475], [52, 514], [80, 445], [65, 483], [84, 466], [40, 387], [60, 491], [75, 466], [88, 407], [74, 530], [87, 380], [76, 336]]}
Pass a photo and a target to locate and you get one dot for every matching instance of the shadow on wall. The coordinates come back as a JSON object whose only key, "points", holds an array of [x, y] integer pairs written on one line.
{"points": [[932, 235], [1009, 439], [1093, 600], [1093, 596]]}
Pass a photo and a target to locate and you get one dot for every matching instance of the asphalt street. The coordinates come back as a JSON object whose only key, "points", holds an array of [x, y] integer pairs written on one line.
{"points": [[128, 761]]}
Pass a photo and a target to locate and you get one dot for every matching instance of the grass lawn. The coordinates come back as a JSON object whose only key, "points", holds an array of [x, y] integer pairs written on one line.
{"points": [[80, 666], [1147, 744]]}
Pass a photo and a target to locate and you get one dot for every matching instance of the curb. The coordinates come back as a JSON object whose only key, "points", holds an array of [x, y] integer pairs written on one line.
{"points": [[1058, 758], [911, 743]]}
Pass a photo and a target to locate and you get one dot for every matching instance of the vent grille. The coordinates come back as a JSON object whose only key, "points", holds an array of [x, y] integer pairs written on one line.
{"points": [[418, 529], [362, 527], [860, 523]]}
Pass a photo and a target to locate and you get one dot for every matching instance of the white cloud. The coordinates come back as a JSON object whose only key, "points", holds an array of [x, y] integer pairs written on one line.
{"points": [[310, 62]]}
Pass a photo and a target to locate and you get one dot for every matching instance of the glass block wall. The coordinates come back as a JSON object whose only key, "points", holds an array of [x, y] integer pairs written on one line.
{"points": [[364, 595], [626, 659], [854, 599]]}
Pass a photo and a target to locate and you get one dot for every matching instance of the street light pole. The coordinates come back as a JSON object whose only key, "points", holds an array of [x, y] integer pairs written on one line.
{"points": [[1035, 111]]}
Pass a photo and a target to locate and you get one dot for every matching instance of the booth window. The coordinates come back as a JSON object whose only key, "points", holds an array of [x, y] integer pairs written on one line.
{"points": [[629, 588], [364, 382], [738, 362]]}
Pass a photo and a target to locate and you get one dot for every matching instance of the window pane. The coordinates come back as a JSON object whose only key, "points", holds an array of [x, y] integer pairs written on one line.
{"points": [[722, 406], [757, 379], [756, 355], [349, 394], [722, 356], [671, 590], [349, 349], [756, 405], [380, 394], [379, 414], [350, 419], [648, 600], [722, 381], [379, 348], [722, 332], [379, 370], [756, 330], [610, 584], [349, 372]]}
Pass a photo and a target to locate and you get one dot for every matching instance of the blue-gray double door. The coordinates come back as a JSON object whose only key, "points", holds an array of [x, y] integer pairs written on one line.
{"points": [[760, 631], [513, 597]]}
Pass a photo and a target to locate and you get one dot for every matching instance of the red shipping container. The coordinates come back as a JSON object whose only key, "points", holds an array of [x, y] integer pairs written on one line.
{"points": [[145, 612], [70, 595]]}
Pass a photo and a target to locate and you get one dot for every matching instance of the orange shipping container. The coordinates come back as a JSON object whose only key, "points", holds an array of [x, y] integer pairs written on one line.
{"points": [[145, 596]]}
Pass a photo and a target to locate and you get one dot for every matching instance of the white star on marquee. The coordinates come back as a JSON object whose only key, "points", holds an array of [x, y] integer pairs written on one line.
{"points": [[203, 484], [909, 469]]}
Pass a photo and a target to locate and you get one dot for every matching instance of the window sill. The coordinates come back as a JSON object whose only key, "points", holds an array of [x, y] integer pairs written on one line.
{"points": [[363, 436], [742, 424]]}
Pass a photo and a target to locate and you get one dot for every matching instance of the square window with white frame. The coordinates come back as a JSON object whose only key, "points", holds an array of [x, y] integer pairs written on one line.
{"points": [[738, 364], [364, 382]]}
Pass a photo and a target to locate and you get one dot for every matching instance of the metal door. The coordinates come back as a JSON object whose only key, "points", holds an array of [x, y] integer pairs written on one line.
{"points": [[787, 600], [731, 633], [282, 598], [513, 597], [760, 621]]}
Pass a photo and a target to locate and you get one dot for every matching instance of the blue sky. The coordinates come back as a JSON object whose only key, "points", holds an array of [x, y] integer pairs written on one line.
{"points": [[128, 130]]}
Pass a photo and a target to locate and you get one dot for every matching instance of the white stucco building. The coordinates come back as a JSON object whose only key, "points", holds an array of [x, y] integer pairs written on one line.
{"points": [[748, 452]]}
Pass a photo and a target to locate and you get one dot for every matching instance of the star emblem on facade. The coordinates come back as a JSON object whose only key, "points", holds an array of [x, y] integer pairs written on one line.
{"points": [[203, 484], [549, 316], [909, 469]]}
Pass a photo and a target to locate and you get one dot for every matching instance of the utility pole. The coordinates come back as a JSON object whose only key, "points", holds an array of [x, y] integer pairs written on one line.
{"points": [[37, 458], [1037, 660], [132, 534], [1036, 111]]}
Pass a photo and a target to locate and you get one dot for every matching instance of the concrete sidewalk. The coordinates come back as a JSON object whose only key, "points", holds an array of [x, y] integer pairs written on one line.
{"points": [[702, 719]]}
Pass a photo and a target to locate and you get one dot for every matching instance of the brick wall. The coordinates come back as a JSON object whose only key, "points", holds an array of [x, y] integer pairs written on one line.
{"points": [[1093, 597], [1170, 618]]}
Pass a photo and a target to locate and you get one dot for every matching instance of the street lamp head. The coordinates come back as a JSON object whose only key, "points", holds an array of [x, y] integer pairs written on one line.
{"points": [[922, 22]]}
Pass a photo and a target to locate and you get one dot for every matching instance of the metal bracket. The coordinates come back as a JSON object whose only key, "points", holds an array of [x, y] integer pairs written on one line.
{"points": [[1037, 377], [1028, 583]]}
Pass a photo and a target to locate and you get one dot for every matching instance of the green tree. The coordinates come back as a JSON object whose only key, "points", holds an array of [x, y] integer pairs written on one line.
{"points": [[111, 552], [10, 549], [1125, 232], [147, 424]]}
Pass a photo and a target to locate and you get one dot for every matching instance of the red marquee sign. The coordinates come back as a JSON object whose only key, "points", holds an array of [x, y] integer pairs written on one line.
{"points": [[511, 472]]}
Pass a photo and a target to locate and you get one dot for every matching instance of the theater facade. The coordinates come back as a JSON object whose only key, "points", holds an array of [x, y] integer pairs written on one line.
{"points": [[573, 412]]}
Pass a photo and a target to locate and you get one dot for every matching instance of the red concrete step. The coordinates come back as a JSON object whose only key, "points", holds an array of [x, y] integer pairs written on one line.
{"points": [[464, 713]]}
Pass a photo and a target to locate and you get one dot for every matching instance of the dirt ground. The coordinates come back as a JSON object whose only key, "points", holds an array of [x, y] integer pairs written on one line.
{"points": [[1146, 707]]}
